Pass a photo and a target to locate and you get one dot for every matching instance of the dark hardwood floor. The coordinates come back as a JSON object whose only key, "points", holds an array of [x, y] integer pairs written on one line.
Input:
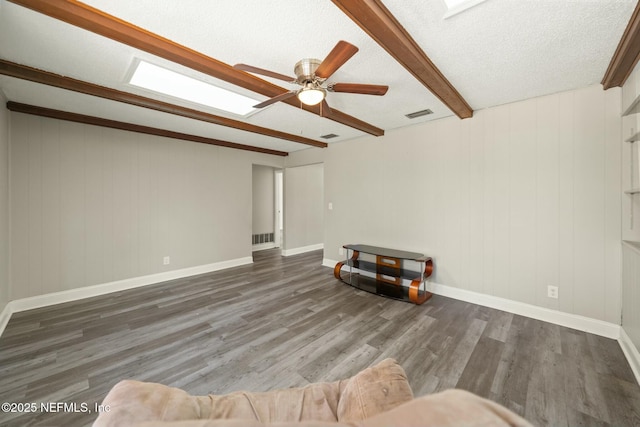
{"points": [[285, 322]]}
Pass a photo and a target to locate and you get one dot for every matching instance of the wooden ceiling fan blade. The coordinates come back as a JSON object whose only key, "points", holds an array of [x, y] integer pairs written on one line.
{"points": [[336, 58], [325, 110], [256, 70], [275, 99], [363, 89]]}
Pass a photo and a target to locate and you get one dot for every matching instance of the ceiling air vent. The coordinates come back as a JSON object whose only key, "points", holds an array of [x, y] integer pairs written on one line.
{"points": [[419, 114], [329, 136]]}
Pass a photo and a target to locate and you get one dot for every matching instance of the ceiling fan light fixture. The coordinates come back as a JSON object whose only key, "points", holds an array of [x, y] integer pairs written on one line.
{"points": [[311, 94]]}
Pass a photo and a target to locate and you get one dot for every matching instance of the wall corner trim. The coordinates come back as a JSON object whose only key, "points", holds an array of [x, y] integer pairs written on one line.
{"points": [[631, 353], [38, 301]]}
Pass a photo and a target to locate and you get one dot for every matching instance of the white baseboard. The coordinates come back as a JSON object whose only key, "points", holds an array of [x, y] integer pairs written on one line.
{"points": [[38, 301], [329, 262], [631, 353], [303, 249], [573, 321], [5, 316], [262, 246]]}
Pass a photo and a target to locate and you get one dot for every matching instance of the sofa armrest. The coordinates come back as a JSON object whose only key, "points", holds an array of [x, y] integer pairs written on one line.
{"points": [[374, 390], [132, 401]]}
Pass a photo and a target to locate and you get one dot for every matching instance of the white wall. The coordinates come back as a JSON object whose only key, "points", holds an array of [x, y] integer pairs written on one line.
{"points": [[93, 205], [517, 198], [4, 203], [308, 156], [303, 207], [263, 199]]}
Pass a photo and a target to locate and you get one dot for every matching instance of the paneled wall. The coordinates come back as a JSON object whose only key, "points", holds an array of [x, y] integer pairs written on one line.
{"points": [[517, 198], [93, 205], [303, 206], [631, 291], [4, 203]]}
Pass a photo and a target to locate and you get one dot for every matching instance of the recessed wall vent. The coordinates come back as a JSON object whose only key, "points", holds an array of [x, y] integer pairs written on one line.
{"points": [[419, 113], [256, 239], [329, 136]]}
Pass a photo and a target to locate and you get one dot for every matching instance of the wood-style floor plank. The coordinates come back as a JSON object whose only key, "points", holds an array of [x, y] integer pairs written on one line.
{"points": [[285, 322]]}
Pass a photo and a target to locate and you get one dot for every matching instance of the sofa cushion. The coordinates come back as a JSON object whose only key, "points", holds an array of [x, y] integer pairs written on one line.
{"points": [[135, 401], [318, 401], [376, 389], [373, 390], [379, 396], [452, 408]]}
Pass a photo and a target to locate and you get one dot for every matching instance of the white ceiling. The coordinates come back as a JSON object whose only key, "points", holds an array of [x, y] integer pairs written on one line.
{"points": [[497, 52]]}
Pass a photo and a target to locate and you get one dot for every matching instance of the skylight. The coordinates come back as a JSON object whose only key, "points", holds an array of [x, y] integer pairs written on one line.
{"points": [[178, 85], [456, 6]]}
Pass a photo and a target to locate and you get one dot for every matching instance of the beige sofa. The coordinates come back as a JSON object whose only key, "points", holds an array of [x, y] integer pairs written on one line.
{"points": [[376, 397]]}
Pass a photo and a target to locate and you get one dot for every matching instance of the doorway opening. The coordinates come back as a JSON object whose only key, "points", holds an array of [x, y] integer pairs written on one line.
{"points": [[279, 208], [267, 208]]}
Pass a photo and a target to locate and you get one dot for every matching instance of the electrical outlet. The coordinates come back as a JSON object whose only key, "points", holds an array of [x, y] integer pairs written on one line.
{"points": [[552, 292], [166, 260], [341, 251]]}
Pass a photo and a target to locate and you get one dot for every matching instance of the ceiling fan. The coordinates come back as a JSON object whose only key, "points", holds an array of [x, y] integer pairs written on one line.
{"points": [[312, 74]]}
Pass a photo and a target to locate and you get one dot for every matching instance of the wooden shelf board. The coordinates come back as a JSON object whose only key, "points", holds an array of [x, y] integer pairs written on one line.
{"points": [[633, 108], [372, 267], [632, 244]]}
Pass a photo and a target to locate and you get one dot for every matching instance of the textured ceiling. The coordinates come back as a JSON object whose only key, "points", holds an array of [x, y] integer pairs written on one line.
{"points": [[497, 52]]}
